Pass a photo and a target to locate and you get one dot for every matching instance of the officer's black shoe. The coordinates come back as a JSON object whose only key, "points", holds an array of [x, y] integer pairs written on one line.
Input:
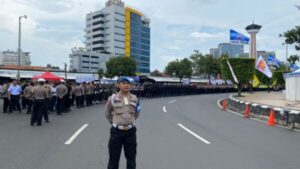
{"points": [[47, 121]]}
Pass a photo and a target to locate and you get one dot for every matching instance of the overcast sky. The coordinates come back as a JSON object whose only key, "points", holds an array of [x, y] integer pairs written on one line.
{"points": [[178, 27]]}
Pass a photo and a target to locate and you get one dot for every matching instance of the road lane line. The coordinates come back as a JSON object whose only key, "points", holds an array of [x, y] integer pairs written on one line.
{"points": [[173, 101], [194, 134], [71, 139], [165, 110]]}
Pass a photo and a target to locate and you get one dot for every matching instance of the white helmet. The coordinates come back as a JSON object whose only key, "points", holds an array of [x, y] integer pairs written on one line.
{"points": [[41, 80]]}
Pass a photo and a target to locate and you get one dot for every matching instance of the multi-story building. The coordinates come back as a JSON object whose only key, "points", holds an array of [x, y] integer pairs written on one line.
{"points": [[83, 61], [266, 54], [121, 31], [230, 49], [214, 52], [10, 57]]}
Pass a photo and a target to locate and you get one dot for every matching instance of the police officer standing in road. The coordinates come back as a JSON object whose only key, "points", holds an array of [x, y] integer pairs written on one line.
{"points": [[28, 95], [122, 110], [61, 91], [39, 107]]}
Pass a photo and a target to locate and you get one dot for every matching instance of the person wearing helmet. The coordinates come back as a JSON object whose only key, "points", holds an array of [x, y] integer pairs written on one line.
{"points": [[122, 110]]}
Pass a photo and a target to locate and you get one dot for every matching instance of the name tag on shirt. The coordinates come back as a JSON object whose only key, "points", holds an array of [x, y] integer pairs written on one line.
{"points": [[126, 102]]}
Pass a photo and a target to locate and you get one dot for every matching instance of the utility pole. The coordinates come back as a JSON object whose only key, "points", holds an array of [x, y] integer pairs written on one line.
{"points": [[19, 46]]}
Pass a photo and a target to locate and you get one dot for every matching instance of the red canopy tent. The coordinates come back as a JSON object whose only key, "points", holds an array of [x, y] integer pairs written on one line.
{"points": [[48, 76]]}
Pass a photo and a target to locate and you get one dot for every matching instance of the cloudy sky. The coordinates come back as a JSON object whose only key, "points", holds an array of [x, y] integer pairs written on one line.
{"points": [[178, 27]]}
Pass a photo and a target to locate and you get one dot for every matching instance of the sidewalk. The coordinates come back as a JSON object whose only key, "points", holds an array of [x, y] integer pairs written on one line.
{"points": [[273, 99]]}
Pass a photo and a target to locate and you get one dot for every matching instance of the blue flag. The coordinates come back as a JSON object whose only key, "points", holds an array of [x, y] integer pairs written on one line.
{"points": [[294, 67], [273, 61], [236, 37]]}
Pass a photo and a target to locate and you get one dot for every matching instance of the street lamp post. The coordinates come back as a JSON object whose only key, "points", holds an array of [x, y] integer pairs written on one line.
{"points": [[19, 46], [286, 54]]}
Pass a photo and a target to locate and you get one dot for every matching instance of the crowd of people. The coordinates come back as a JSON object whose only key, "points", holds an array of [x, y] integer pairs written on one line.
{"points": [[41, 97]]}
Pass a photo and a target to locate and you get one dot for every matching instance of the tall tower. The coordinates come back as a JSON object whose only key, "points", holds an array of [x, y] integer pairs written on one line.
{"points": [[253, 29]]}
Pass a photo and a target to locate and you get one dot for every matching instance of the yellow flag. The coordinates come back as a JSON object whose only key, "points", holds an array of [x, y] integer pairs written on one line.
{"points": [[255, 81]]}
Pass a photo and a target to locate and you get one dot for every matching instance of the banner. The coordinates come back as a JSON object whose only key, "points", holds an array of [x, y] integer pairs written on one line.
{"points": [[294, 67], [236, 37]]}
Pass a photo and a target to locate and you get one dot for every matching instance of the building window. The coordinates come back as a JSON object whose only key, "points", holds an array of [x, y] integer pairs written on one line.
{"points": [[98, 16], [95, 62], [84, 67], [98, 29], [119, 27], [86, 56], [122, 41], [95, 57], [119, 14], [118, 47], [118, 20], [85, 62], [98, 48], [121, 34], [98, 35], [97, 23], [98, 42]]}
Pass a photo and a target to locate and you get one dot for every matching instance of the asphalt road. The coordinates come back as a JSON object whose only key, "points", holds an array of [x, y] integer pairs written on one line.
{"points": [[173, 133]]}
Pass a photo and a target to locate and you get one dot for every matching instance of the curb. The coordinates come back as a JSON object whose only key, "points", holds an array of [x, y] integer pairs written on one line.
{"points": [[256, 105]]}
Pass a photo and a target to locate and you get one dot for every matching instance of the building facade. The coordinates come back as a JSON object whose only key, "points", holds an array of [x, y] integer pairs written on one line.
{"points": [[214, 52], [137, 39], [120, 31], [10, 57], [230, 49], [88, 62]]}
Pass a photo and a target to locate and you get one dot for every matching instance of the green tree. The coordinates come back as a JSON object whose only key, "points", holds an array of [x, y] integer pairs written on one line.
{"points": [[156, 73], [292, 37], [180, 68], [293, 59], [243, 69], [100, 73], [120, 66], [207, 65]]}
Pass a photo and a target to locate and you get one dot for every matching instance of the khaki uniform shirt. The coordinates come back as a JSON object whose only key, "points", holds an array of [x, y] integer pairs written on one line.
{"points": [[61, 90], [40, 92], [4, 91], [121, 110], [78, 91], [28, 93]]}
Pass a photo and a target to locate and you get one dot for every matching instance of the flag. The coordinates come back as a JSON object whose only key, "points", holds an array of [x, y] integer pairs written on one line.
{"points": [[263, 67], [273, 61], [232, 72], [255, 81], [236, 37], [294, 67]]}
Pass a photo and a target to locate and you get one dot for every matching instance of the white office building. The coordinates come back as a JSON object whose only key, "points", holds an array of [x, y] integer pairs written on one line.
{"points": [[90, 62], [105, 29], [10, 57]]}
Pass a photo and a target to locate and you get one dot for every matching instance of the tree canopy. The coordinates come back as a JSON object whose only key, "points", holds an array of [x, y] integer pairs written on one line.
{"points": [[179, 68], [120, 66]]}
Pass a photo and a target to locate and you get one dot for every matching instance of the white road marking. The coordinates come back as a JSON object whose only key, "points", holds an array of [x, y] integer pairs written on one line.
{"points": [[173, 101], [71, 139], [194, 134], [165, 110]]}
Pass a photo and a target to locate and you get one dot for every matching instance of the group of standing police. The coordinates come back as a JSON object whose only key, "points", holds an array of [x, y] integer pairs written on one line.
{"points": [[40, 97]]}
